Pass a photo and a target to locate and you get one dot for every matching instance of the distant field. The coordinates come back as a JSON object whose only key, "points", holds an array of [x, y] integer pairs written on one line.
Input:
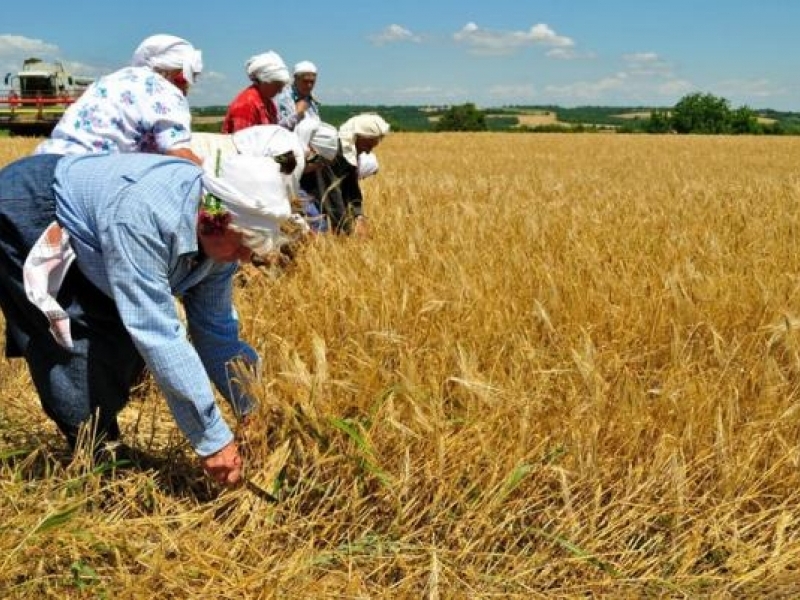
{"points": [[634, 115], [534, 118], [562, 366], [646, 115], [207, 119]]}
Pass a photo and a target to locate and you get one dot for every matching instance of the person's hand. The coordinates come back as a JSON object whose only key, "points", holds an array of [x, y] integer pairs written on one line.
{"points": [[360, 226], [185, 153], [301, 106], [225, 466]]}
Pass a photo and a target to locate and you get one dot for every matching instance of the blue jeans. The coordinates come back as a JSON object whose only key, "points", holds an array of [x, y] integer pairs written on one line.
{"points": [[91, 382], [317, 221]]}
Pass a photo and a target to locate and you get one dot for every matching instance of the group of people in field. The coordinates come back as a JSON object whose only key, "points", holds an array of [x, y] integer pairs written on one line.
{"points": [[123, 208]]}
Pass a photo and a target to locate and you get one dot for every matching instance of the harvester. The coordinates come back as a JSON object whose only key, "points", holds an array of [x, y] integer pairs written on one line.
{"points": [[36, 97]]}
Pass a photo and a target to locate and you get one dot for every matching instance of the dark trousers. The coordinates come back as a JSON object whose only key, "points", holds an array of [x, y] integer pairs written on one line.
{"points": [[91, 382]]}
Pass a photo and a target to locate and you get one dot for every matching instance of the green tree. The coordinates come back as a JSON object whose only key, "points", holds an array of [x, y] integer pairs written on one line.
{"points": [[659, 122], [701, 113], [744, 120], [464, 117]]}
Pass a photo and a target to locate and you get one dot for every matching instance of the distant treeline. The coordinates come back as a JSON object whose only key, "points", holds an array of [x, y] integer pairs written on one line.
{"points": [[695, 113], [401, 118]]}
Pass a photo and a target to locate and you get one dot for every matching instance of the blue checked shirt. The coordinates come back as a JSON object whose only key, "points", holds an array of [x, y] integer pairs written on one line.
{"points": [[132, 219]]}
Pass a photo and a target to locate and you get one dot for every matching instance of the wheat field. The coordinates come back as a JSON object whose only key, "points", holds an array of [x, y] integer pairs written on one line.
{"points": [[561, 366]]}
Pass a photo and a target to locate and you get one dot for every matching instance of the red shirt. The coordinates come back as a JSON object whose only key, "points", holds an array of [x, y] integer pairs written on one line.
{"points": [[248, 109]]}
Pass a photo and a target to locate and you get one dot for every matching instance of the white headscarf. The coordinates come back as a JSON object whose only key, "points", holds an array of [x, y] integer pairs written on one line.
{"points": [[322, 138], [368, 125], [252, 190], [367, 165], [169, 52], [267, 67], [271, 140], [304, 66]]}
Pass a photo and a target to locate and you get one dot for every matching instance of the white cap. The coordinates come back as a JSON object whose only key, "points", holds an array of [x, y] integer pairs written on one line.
{"points": [[169, 52], [270, 140], [368, 125], [322, 138], [252, 190], [304, 66], [267, 67]]}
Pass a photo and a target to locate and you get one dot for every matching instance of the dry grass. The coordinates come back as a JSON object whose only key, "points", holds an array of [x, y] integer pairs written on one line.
{"points": [[564, 366]]}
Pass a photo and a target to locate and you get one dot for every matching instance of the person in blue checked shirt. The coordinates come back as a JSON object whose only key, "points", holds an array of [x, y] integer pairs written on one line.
{"points": [[93, 250]]}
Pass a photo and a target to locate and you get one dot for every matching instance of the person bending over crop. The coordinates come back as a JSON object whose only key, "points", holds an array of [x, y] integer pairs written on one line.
{"points": [[333, 191], [94, 247], [140, 108]]}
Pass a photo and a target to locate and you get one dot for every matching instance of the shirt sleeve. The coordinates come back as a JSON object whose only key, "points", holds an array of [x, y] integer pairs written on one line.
{"points": [[287, 111], [351, 189], [240, 115], [136, 263], [214, 330], [172, 122]]}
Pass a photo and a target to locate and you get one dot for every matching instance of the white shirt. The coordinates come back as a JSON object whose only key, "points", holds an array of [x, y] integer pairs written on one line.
{"points": [[133, 109]]}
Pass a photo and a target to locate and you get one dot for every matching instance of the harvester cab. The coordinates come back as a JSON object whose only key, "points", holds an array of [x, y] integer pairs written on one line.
{"points": [[37, 96]]}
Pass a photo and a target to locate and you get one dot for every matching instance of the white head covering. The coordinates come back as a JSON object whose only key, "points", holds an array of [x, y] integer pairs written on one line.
{"points": [[367, 165], [369, 125], [322, 138], [206, 145], [169, 52], [267, 67], [252, 190], [304, 66], [271, 140]]}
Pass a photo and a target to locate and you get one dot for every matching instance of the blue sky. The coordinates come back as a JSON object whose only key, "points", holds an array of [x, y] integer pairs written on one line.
{"points": [[490, 52]]}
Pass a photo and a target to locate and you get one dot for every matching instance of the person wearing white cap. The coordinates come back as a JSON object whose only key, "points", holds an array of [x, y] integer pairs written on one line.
{"points": [[273, 141], [255, 105], [94, 247], [334, 189], [321, 143], [309, 148], [297, 102], [139, 108]]}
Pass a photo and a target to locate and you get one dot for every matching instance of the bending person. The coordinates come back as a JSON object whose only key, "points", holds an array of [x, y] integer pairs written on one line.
{"points": [[140, 108], [333, 190], [94, 247], [272, 141]]}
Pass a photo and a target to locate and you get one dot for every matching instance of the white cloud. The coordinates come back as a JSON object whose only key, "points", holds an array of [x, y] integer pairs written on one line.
{"points": [[422, 94], [620, 88], [421, 90], [647, 64], [513, 94], [568, 54], [588, 90], [486, 41], [14, 46], [14, 49], [542, 34], [674, 88], [79, 68], [755, 88], [392, 34]]}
